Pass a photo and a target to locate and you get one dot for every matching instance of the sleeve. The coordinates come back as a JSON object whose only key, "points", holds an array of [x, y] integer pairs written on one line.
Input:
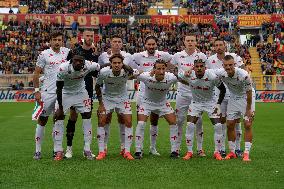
{"points": [[128, 60], [143, 77], [167, 57], [173, 78], [100, 79], [61, 75], [94, 66], [135, 63], [247, 83], [204, 57], [174, 60], [238, 60], [41, 62], [100, 60]]}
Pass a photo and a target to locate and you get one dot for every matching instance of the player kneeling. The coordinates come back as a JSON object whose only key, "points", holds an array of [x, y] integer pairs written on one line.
{"points": [[71, 91], [113, 80], [157, 84], [202, 83]]}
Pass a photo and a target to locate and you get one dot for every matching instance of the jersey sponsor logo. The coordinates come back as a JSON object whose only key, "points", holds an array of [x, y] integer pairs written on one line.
{"points": [[213, 62], [148, 64], [200, 88], [187, 64]]}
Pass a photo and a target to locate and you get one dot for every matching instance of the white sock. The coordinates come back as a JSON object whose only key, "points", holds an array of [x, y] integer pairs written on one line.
{"points": [[173, 137], [199, 134], [232, 146], [122, 136], [39, 136], [179, 138], [154, 134], [106, 135], [218, 136], [247, 147], [139, 136], [180, 120], [239, 133], [224, 134], [189, 135], [101, 138], [87, 129], [58, 131], [128, 138]]}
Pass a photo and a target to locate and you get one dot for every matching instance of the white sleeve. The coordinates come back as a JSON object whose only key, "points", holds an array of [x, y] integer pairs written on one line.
{"points": [[247, 83], [174, 60], [94, 66], [135, 63], [173, 78], [61, 75], [128, 60], [101, 77], [41, 62], [143, 77], [100, 60], [167, 56], [238, 60]]}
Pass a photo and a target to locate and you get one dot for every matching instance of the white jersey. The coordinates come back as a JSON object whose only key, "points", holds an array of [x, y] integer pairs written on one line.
{"points": [[214, 62], [104, 58], [203, 89], [144, 62], [185, 62], [113, 86], [156, 91], [238, 85], [50, 61], [74, 80]]}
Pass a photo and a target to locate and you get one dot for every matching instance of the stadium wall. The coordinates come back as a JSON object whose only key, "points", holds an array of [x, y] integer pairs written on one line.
{"points": [[28, 96]]}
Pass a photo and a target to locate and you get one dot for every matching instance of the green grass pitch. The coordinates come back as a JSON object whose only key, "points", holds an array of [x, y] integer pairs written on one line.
{"points": [[19, 170]]}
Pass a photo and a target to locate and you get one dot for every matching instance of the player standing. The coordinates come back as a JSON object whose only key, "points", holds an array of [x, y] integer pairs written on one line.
{"points": [[144, 61], [184, 60], [48, 63], [202, 84], [71, 92], [88, 53], [113, 79], [239, 104], [104, 58], [215, 62], [153, 100]]}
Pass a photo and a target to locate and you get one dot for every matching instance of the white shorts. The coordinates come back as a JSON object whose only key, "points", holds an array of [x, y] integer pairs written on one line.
{"points": [[49, 101], [197, 108], [224, 107], [237, 108], [80, 101], [121, 106], [161, 109], [182, 103]]}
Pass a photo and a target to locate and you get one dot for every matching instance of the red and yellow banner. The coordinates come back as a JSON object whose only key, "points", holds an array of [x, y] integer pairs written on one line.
{"points": [[253, 20], [277, 18], [86, 20], [174, 19]]}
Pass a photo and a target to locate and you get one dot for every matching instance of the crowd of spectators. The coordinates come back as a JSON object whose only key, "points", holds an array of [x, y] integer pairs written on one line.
{"points": [[133, 7], [271, 55]]}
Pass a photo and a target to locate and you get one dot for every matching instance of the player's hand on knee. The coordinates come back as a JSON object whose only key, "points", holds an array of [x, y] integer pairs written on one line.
{"points": [[38, 96], [101, 110], [248, 115], [217, 110], [59, 115]]}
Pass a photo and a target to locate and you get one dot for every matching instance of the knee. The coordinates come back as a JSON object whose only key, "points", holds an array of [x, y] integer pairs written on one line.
{"points": [[247, 125], [42, 120]]}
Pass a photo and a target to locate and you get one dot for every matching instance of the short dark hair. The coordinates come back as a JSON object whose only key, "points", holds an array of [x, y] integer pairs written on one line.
{"points": [[76, 51], [55, 34], [219, 39], [151, 37], [116, 36], [160, 61], [189, 34], [116, 56], [199, 61], [228, 57]]}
